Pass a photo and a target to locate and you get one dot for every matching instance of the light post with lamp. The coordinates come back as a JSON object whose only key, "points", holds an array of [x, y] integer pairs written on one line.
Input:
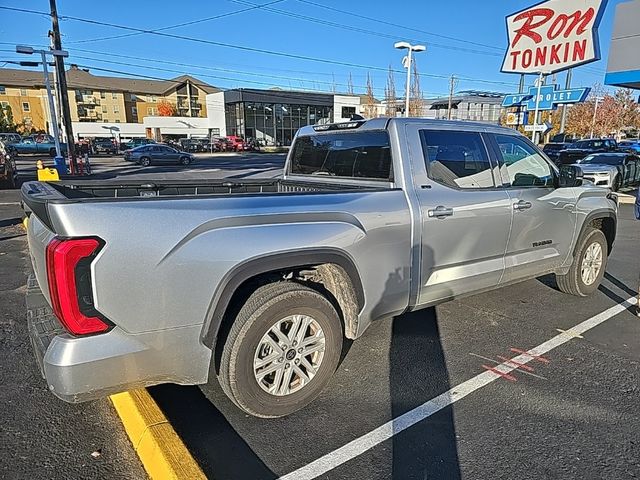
{"points": [[59, 160], [406, 62]]}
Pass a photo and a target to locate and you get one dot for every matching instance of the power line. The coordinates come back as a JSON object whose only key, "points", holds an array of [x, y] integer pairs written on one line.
{"points": [[245, 48], [177, 25], [383, 22], [364, 31]]}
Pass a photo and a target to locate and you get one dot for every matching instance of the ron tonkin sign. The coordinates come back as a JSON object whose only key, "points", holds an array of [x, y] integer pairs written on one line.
{"points": [[553, 36]]}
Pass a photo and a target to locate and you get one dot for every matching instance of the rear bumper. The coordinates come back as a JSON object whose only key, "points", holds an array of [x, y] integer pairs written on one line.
{"points": [[77, 369]]}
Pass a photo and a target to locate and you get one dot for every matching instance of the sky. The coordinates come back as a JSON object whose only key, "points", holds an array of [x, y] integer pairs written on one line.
{"points": [[465, 38]]}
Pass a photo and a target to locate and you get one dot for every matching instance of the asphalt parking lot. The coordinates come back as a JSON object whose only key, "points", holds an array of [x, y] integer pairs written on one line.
{"points": [[571, 413], [217, 165]]}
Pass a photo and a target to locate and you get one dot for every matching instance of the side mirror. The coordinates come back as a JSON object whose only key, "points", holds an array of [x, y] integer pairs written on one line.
{"points": [[570, 176]]}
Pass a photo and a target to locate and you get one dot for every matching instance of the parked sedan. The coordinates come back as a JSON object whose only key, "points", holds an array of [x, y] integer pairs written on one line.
{"points": [[148, 154], [611, 170]]}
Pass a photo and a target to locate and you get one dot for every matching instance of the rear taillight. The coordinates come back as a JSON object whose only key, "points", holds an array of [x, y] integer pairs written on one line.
{"points": [[69, 278]]}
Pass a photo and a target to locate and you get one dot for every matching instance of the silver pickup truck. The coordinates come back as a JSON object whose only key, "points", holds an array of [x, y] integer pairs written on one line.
{"points": [[257, 283]]}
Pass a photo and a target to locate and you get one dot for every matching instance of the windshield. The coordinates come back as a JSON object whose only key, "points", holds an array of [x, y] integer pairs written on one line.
{"points": [[602, 160]]}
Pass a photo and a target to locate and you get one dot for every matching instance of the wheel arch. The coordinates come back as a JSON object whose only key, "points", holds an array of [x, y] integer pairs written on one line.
{"points": [[604, 220], [331, 271]]}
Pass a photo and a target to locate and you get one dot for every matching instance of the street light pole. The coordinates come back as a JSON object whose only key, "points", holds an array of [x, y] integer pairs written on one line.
{"points": [[409, 59], [52, 108], [593, 121], [534, 134]]}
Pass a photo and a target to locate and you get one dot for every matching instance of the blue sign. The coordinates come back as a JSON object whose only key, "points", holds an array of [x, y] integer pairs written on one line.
{"points": [[549, 99]]}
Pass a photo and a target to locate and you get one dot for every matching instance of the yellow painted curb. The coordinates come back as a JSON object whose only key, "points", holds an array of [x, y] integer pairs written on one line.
{"points": [[25, 221], [161, 451]]}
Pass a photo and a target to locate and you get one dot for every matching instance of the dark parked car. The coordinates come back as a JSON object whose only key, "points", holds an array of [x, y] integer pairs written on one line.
{"points": [[148, 154], [611, 170], [192, 145], [136, 142], [104, 145], [8, 170], [553, 149], [9, 138], [582, 148]]}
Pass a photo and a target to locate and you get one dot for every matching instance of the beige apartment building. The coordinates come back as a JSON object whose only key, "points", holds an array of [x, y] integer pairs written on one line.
{"points": [[94, 98]]}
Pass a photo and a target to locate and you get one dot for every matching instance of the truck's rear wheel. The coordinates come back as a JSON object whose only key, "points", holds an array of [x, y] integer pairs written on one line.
{"points": [[588, 266], [282, 350]]}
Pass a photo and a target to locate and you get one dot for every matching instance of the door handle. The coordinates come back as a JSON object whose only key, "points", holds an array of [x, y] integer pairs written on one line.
{"points": [[440, 212], [521, 205]]}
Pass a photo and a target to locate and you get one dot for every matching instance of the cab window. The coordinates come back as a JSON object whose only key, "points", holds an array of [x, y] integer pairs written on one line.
{"points": [[521, 164]]}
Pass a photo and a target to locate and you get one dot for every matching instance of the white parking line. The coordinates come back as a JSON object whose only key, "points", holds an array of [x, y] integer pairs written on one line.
{"points": [[385, 432]]}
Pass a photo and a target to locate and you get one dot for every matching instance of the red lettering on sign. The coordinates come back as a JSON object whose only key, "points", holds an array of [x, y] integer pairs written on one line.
{"points": [[514, 55], [527, 29], [579, 50], [580, 21], [526, 58], [541, 56], [560, 22], [554, 54], [566, 53]]}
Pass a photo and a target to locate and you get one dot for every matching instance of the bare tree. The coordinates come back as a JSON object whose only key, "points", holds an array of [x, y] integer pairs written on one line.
{"points": [[370, 100], [390, 94], [416, 102], [350, 85]]}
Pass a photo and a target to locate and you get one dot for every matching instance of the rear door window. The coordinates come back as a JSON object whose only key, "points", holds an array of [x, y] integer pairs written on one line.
{"points": [[457, 159], [365, 155]]}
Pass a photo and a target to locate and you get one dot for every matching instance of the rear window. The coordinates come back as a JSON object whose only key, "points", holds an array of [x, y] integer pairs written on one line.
{"points": [[365, 155]]}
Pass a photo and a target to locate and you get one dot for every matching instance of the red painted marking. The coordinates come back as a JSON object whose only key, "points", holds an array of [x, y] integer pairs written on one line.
{"points": [[517, 364], [535, 357], [498, 372]]}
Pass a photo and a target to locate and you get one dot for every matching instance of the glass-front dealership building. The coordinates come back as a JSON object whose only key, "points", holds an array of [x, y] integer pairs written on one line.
{"points": [[272, 117]]}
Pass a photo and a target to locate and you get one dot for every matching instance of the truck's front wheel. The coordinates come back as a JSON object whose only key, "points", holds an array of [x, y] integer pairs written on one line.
{"points": [[281, 351], [588, 266]]}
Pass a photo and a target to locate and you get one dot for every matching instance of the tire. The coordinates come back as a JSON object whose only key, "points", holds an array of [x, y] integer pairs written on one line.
{"points": [[261, 313], [145, 161], [52, 152], [185, 161], [573, 282], [617, 183]]}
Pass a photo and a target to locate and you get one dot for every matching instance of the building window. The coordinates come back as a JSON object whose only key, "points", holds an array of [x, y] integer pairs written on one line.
{"points": [[134, 111], [103, 94], [23, 92], [2, 90], [114, 96], [151, 111], [348, 111], [104, 109], [117, 121], [26, 107], [152, 99], [116, 109], [215, 131]]}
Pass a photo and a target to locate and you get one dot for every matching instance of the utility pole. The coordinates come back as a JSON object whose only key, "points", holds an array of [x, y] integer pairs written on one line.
{"points": [[563, 118], [452, 86], [64, 92], [56, 87]]}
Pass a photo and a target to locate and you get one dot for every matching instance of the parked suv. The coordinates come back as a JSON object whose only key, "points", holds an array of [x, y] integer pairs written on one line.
{"points": [[259, 283], [580, 149]]}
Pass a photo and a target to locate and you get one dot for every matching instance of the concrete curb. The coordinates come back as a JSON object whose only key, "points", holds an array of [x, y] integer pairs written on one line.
{"points": [[160, 449], [624, 198]]}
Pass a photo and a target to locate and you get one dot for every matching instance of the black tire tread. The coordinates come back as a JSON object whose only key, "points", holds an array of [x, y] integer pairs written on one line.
{"points": [[261, 299], [569, 283]]}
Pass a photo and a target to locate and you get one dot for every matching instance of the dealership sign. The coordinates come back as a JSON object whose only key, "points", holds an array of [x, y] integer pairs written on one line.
{"points": [[553, 36], [550, 97]]}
